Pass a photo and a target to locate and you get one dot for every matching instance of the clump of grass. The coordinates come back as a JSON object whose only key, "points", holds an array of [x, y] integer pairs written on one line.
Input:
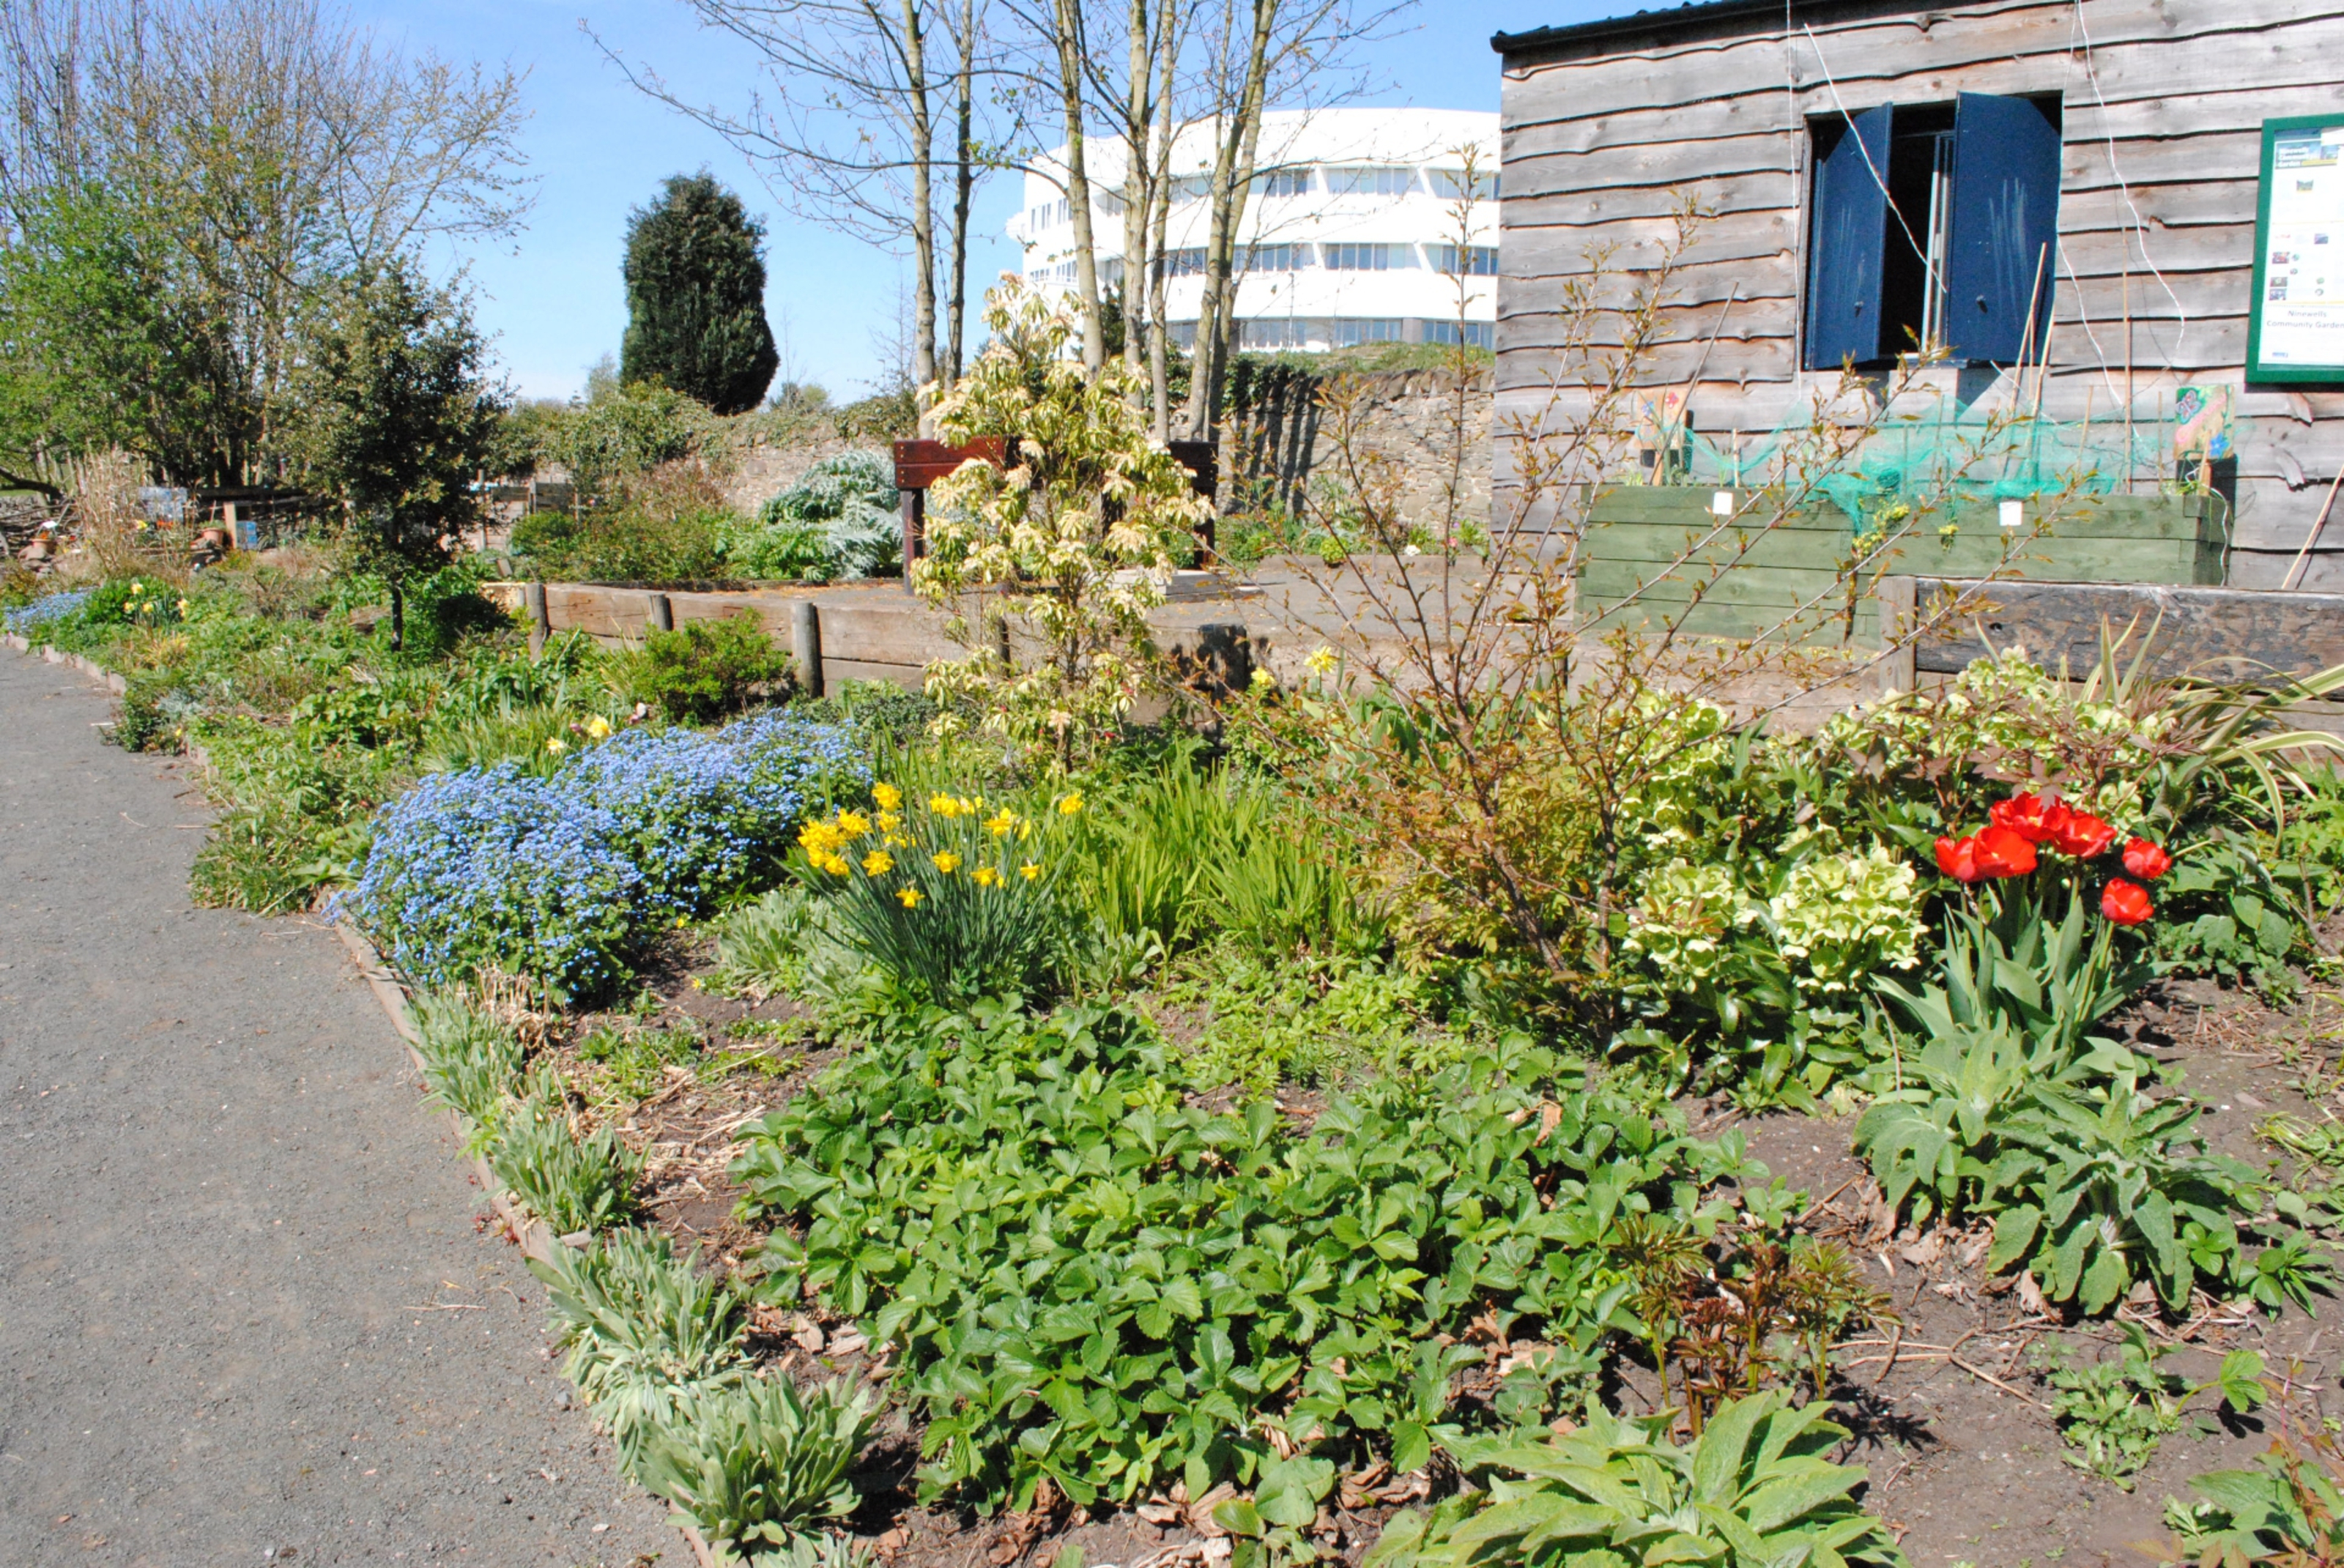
{"points": [[571, 1183], [636, 1060]]}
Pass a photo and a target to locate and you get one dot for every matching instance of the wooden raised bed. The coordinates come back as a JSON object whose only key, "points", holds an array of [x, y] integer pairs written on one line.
{"points": [[1638, 537]]}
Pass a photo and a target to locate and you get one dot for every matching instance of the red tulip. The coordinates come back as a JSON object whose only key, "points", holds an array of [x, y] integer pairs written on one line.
{"points": [[2003, 852], [2126, 903], [2031, 817], [1958, 858], [2147, 861], [2084, 836]]}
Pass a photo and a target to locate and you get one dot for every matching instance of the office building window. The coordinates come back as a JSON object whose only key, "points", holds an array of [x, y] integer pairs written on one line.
{"points": [[1480, 333], [1278, 258], [1480, 261], [1283, 182], [1348, 257], [1188, 263], [1274, 332], [1350, 333], [1449, 183], [1191, 187], [1369, 179]]}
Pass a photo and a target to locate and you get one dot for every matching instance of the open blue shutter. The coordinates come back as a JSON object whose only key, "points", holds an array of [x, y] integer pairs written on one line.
{"points": [[1844, 259], [2004, 225]]}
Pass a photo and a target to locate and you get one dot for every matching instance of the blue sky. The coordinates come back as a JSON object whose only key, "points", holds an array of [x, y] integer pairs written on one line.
{"points": [[551, 295]]}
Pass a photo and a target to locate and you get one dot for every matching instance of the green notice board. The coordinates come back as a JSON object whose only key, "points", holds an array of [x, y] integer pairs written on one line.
{"points": [[2295, 330]]}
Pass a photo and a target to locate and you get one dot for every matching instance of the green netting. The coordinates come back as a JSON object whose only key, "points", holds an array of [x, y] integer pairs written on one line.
{"points": [[1933, 460]]}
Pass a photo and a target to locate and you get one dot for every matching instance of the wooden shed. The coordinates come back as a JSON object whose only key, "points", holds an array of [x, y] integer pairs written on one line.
{"points": [[2136, 193]]}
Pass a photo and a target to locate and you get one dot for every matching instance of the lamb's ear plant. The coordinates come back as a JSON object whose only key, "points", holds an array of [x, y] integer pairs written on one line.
{"points": [[471, 1063], [571, 1183], [1756, 1489], [756, 1465], [646, 1331]]}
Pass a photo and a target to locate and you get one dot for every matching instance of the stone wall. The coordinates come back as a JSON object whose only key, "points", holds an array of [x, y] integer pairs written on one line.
{"points": [[1279, 444]]}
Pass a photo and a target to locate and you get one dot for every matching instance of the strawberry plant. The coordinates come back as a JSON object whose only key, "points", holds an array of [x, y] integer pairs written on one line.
{"points": [[1089, 1278]]}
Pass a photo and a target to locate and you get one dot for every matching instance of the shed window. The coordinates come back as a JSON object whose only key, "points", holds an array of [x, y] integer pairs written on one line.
{"points": [[1933, 225]]}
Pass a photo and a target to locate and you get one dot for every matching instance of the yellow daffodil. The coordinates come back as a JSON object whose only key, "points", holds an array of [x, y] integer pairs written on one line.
{"points": [[556, 746], [835, 864], [183, 609], [946, 861], [888, 821], [1321, 663], [895, 842], [888, 795], [1263, 683], [598, 728], [969, 808], [137, 587], [1001, 823], [985, 876], [1068, 805], [1025, 828], [944, 806], [1029, 870], [878, 863], [908, 897], [854, 824]]}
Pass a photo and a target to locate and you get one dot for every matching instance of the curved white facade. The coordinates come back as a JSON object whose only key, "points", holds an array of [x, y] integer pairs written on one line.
{"points": [[1352, 233]]}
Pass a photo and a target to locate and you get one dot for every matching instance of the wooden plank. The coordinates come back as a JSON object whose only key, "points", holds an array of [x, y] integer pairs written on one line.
{"points": [[2226, 632], [920, 463], [1936, 48], [910, 676], [1636, 243], [908, 635], [1740, 622]]}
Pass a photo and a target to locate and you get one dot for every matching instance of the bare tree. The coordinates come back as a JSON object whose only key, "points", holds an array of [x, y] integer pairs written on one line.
{"points": [[847, 134], [245, 152]]}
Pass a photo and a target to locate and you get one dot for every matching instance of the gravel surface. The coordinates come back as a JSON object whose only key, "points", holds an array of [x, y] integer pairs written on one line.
{"points": [[246, 1314]]}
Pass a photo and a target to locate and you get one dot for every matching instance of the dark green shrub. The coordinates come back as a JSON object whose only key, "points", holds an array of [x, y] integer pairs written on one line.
{"points": [[705, 669], [695, 276]]}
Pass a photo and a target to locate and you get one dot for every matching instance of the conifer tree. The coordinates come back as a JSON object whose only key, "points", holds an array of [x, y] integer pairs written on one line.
{"points": [[695, 274]]}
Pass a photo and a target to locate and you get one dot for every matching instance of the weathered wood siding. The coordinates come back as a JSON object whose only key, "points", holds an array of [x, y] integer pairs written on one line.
{"points": [[2163, 100]]}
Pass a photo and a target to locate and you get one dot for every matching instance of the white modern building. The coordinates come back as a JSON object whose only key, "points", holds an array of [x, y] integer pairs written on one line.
{"points": [[1351, 234]]}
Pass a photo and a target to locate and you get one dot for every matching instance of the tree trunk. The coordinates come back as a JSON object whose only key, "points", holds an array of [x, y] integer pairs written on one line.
{"points": [[1139, 124], [398, 617], [1069, 39], [1232, 181], [1160, 373], [964, 185], [923, 222]]}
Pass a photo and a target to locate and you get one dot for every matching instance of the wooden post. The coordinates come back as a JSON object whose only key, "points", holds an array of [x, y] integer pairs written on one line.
{"points": [[660, 611], [915, 517], [541, 625], [805, 641], [1894, 673]]}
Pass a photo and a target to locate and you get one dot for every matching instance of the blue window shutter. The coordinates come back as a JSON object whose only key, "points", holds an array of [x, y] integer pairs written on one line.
{"points": [[2004, 225], [1850, 223]]}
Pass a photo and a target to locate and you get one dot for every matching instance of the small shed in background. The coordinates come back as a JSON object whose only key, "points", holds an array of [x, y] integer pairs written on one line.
{"points": [[2144, 198]]}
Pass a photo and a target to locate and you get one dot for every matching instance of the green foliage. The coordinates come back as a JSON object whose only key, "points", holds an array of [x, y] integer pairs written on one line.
{"points": [[647, 1334], [270, 859], [1086, 1277], [754, 1465], [695, 276], [839, 521], [636, 1059], [471, 1063], [1262, 1018], [394, 416], [2012, 1110], [2220, 911], [571, 1183], [624, 432], [627, 544], [1181, 853], [706, 670], [2112, 1413], [2288, 1509], [1756, 1489]]}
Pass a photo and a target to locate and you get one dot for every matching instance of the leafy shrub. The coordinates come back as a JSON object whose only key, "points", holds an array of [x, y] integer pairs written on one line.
{"points": [[1086, 1277], [1757, 1488], [838, 522], [646, 1332], [471, 1063], [562, 878], [270, 858], [623, 544], [704, 670], [754, 1465], [1264, 1018], [571, 1183]]}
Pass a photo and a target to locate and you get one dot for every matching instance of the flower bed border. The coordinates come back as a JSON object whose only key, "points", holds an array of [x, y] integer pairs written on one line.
{"points": [[535, 1238]]}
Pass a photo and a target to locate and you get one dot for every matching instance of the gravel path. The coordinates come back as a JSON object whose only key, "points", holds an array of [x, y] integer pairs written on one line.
{"points": [[223, 1213]]}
